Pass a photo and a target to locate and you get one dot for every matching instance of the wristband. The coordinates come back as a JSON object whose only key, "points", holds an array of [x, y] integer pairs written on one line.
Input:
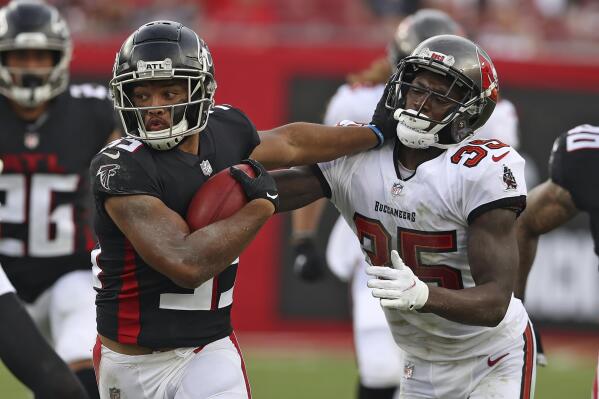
{"points": [[379, 135]]}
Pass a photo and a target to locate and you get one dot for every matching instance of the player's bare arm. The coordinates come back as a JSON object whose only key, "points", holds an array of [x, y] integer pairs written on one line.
{"points": [[548, 206], [297, 187], [493, 258], [308, 143], [164, 241]]}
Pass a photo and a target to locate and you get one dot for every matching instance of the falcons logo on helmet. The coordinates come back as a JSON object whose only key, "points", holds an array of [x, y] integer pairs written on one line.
{"points": [[105, 172]]}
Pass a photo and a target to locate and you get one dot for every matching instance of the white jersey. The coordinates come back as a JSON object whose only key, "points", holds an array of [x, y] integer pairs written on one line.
{"points": [[356, 103], [5, 285], [426, 219]]}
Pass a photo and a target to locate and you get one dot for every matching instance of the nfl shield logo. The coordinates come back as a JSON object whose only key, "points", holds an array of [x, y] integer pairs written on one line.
{"points": [[397, 189], [115, 393], [206, 168], [32, 140], [408, 370]]}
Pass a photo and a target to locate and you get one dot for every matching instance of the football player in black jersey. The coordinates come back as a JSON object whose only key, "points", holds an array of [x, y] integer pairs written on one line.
{"points": [[164, 293], [50, 132], [572, 188]]}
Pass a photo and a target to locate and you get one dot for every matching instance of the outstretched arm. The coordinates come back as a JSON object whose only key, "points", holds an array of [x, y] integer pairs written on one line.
{"points": [[548, 207], [308, 143]]}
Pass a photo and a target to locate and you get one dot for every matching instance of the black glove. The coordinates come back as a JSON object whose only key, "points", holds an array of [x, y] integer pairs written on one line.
{"points": [[308, 263], [261, 186], [383, 117]]}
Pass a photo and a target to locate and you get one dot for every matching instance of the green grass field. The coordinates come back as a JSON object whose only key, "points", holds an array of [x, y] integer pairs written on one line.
{"points": [[323, 374]]}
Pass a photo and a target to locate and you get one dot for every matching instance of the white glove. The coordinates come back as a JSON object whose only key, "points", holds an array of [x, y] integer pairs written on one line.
{"points": [[398, 288]]}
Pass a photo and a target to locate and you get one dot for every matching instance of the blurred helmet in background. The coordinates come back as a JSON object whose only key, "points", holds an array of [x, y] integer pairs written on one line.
{"points": [[164, 50], [467, 67], [33, 25], [418, 27]]}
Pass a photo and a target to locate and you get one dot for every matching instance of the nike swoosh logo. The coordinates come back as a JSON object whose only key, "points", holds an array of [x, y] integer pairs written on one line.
{"points": [[272, 196], [492, 363], [499, 158], [113, 156]]}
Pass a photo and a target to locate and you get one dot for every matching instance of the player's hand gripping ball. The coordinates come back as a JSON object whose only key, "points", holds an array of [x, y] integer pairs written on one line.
{"points": [[219, 198]]}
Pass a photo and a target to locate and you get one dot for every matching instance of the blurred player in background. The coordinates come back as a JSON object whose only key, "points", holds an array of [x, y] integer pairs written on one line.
{"points": [[165, 293], [50, 132], [448, 203], [26, 353], [571, 189], [356, 101]]}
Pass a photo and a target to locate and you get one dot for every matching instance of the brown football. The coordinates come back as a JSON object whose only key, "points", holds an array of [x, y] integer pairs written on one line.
{"points": [[219, 198]]}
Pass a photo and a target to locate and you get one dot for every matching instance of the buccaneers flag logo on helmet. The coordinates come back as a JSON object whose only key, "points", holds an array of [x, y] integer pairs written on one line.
{"points": [[489, 77]]}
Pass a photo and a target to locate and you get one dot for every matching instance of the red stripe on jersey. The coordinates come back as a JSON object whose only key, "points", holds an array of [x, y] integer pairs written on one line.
{"points": [[233, 339], [529, 359], [214, 302], [128, 300], [97, 356], [90, 242]]}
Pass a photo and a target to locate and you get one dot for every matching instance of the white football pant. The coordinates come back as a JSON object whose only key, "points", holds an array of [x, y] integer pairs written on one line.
{"points": [[215, 370]]}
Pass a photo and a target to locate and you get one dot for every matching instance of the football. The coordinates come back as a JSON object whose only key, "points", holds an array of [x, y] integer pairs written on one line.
{"points": [[220, 197]]}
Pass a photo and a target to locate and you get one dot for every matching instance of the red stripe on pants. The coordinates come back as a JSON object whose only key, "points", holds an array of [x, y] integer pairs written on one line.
{"points": [[97, 356], [528, 366], [245, 376]]}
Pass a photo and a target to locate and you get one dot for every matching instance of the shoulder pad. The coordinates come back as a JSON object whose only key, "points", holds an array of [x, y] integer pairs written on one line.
{"points": [[89, 90]]}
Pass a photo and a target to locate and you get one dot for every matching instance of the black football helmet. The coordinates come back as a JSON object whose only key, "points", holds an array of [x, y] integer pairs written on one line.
{"points": [[466, 66], [416, 28], [33, 25], [164, 50]]}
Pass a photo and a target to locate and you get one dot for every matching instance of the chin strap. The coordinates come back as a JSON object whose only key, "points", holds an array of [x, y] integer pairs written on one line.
{"points": [[165, 139], [412, 131], [31, 96]]}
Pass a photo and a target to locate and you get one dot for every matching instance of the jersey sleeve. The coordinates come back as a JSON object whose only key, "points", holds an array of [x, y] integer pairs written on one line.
{"points": [[574, 156], [238, 129], [5, 285], [335, 178], [119, 171], [496, 182]]}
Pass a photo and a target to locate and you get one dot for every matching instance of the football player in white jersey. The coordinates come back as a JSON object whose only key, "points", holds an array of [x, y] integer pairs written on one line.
{"points": [[356, 101], [448, 204]]}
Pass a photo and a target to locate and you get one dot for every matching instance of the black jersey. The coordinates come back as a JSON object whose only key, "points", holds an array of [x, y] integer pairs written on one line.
{"points": [[574, 165], [135, 303], [45, 228]]}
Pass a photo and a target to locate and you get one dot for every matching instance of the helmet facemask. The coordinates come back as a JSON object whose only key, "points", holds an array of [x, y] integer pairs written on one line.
{"points": [[31, 87], [415, 129], [186, 118]]}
